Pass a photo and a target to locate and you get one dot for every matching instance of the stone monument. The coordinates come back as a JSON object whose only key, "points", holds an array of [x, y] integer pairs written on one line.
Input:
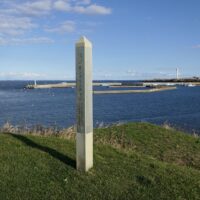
{"points": [[84, 105]]}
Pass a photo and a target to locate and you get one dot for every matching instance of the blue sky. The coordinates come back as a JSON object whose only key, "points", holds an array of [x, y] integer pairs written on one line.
{"points": [[132, 39]]}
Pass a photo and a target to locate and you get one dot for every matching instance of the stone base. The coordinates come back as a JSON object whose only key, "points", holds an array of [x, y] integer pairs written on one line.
{"points": [[84, 151]]}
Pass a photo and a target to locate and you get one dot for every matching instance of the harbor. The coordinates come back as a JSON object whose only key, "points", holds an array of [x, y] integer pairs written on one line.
{"points": [[154, 107]]}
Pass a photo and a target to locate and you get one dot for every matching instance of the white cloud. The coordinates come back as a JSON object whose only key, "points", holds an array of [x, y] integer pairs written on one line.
{"points": [[131, 74], [20, 17], [39, 7], [81, 7], [65, 27], [21, 75], [83, 2], [10, 25], [44, 7], [92, 9], [33, 40], [62, 5]]}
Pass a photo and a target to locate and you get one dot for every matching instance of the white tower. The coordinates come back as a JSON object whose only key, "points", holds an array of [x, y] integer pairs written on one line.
{"points": [[84, 105], [177, 73]]}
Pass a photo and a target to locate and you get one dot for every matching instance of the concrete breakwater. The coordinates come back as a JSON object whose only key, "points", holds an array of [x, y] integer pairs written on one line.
{"points": [[67, 85], [127, 86], [152, 88], [45, 86], [134, 91]]}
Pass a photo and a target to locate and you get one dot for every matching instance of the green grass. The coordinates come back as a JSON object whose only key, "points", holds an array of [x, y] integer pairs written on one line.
{"points": [[132, 161]]}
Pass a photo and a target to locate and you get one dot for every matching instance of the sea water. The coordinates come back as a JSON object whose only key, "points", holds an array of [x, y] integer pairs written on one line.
{"points": [[56, 107]]}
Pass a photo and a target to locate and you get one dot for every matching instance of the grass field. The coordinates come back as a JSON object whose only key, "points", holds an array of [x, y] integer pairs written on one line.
{"points": [[131, 161]]}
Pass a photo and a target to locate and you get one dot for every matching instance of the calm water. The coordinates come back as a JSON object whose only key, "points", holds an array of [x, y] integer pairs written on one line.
{"points": [[50, 107]]}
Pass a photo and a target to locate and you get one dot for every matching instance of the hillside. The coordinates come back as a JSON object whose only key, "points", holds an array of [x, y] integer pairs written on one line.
{"points": [[132, 161]]}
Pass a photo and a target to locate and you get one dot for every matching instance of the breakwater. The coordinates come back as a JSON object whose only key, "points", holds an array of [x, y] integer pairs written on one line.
{"points": [[68, 85], [133, 91]]}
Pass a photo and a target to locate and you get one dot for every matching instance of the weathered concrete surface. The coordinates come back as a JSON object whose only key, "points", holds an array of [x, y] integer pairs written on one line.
{"points": [[84, 154], [84, 105], [133, 91]]}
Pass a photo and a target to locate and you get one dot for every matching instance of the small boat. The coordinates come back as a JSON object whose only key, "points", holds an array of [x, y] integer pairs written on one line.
{"points": [[191, 85]]}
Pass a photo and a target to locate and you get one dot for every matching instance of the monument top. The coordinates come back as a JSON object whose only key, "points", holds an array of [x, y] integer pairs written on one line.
{"points": [[83, 41]]}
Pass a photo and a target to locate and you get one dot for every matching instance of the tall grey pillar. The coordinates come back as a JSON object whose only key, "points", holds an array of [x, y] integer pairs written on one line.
{"points": [[84, 105]]}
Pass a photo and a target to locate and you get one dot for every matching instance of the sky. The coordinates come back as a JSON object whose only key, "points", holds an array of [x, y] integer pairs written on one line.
{"points": [[132, 39]]}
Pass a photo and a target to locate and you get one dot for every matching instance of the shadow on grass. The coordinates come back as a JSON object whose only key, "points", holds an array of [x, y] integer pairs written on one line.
{"points": [[52, 152]]}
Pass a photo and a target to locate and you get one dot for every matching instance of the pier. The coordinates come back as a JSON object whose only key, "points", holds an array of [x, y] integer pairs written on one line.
{"points": [[68, 85]]}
